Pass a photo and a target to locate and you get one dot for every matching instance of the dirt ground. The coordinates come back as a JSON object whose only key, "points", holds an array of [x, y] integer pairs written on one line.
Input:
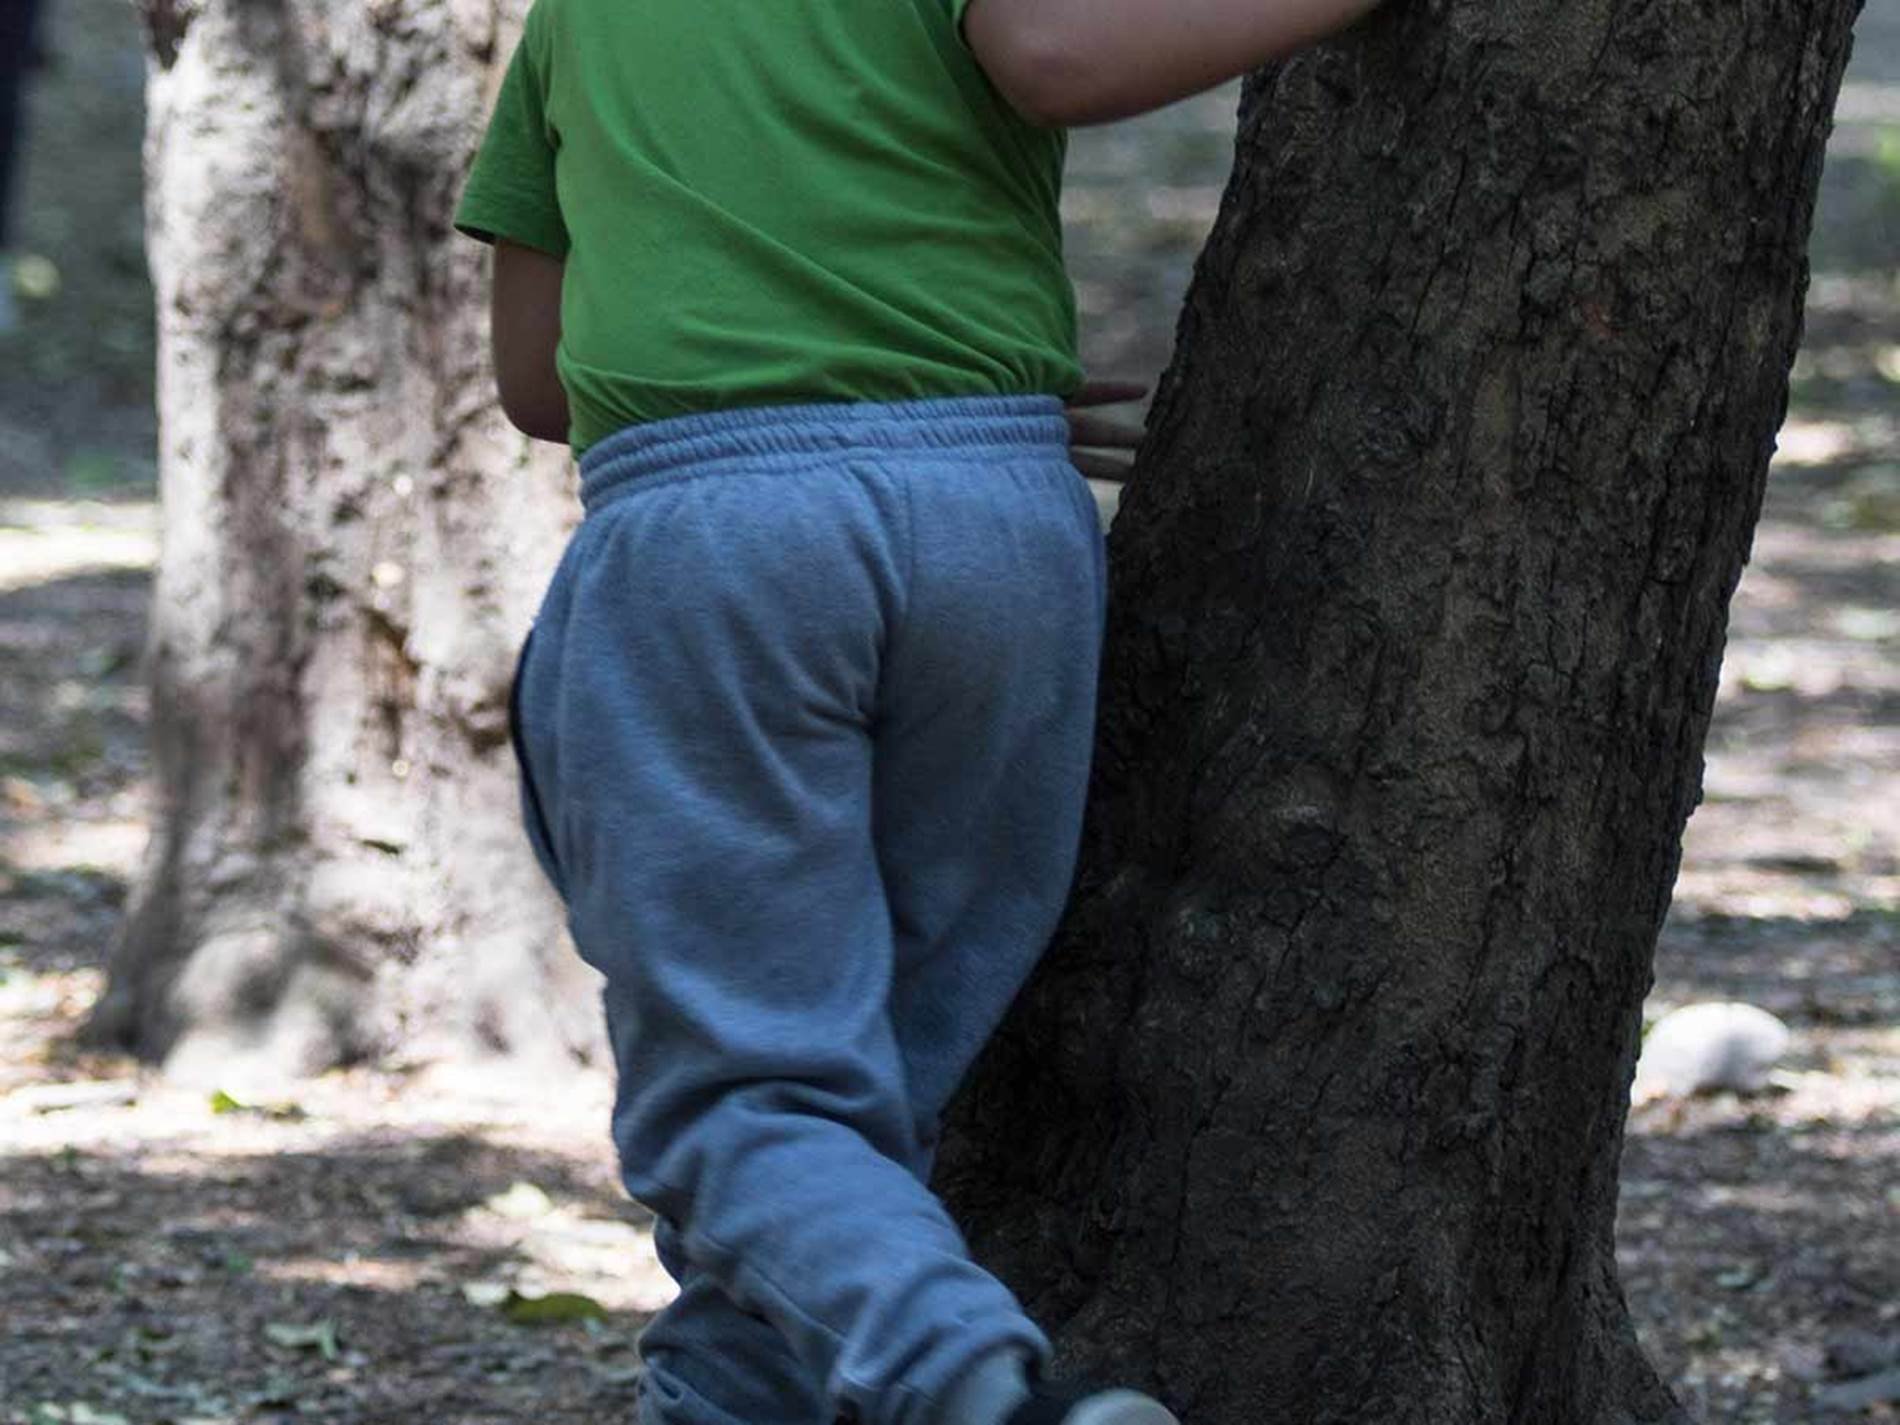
{"points": [[376, 1250]]}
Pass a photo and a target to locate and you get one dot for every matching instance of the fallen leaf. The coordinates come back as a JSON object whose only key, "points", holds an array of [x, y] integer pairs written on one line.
{"points": [[556, 1306], [320, 1336], [225, 1102], [1859, 1394]]}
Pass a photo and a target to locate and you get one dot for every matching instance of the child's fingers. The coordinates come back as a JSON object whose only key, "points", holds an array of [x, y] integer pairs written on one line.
{"points": [[1107, 392], [1100, 430], [1100, 467]]}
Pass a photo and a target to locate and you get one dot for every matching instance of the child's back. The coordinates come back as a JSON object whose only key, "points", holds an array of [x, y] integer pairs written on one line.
{"points": [[821, 201]]}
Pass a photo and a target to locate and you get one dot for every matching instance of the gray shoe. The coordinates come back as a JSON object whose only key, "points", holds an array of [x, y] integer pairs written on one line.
{"points": [[1053, 1405]]}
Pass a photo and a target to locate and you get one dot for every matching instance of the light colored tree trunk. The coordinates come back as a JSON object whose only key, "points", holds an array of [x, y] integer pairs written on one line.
{"points": [[1418, 600], [353, 543]]}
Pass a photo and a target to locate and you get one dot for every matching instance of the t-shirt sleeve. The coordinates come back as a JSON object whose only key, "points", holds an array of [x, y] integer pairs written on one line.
{"points": [[510, 191]]}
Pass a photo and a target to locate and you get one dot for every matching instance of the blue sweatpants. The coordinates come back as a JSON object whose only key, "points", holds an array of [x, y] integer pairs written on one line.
{"points": [[805, 723]]}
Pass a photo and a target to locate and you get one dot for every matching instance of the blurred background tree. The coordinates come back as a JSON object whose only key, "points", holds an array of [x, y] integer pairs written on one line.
{"points": [[353, 543]]}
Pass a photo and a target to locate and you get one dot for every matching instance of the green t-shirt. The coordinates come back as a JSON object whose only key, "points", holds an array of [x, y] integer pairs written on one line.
{"points": [[824, 202]]}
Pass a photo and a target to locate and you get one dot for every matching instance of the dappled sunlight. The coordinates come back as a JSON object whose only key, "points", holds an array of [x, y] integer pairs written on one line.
{"points": [[354, 1269], [1764, 895], [1848, 361], [35, 1005], [1810, 667], [1814, 442], [1800, 820], [44, 540], [113, 845], [1851, 294], [216, 1283], [1857, 1091], [1754, 1232], [1868, 102], [559, 1249]]}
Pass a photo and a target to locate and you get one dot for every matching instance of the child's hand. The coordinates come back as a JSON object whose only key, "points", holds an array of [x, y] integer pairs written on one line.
{"points": [[1100, 432]]}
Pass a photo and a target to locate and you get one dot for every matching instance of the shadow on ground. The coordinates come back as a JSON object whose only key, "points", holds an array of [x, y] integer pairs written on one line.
{"points": [[322, 1283]]}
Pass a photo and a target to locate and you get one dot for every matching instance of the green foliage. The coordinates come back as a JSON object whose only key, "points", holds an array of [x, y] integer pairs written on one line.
{"points": [[1887, 153], [223, 1101], [93, 472]]}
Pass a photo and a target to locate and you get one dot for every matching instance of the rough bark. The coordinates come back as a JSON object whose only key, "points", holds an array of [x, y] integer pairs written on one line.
{"points": [[1418, 601], [353, 543]]}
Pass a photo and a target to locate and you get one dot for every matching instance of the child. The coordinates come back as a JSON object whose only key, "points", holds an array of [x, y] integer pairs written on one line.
{"points": [[806, 714]]}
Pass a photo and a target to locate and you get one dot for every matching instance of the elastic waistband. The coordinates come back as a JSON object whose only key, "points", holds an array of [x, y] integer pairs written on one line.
{"points": [[790, 437]]}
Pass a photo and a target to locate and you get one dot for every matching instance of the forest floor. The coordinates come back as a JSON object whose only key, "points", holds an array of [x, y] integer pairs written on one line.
{"points": [[373, 1250]]}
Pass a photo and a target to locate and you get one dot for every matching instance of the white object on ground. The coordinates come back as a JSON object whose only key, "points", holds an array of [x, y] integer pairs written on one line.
{"points": [[1709, 1046], [1859, 1394]]}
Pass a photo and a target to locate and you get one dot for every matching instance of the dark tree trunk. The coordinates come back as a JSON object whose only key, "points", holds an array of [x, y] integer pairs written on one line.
{"points": [[1418, 601], [353, 545]]}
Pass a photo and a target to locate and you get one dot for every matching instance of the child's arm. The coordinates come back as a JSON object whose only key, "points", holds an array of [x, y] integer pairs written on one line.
{"points": [[1071, 62], [525, 326]]}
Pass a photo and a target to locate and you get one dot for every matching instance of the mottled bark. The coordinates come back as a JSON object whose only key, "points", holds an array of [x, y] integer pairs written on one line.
{"points": [[353, 543], [1418, 602]]}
